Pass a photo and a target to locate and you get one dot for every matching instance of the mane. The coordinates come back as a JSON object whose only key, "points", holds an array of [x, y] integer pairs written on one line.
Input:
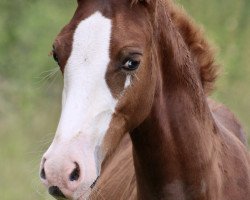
{"points": [[118, 179], [201, 50]]}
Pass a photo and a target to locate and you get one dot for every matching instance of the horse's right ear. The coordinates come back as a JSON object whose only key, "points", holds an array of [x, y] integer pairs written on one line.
{"points": [[170, 42], [78, 1]]}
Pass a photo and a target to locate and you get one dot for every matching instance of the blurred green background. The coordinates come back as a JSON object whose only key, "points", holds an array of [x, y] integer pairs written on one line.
{"points": [[30, 83]]}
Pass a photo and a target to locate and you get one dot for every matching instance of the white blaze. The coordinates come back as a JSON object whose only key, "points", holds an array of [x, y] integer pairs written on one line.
{"points": [[87, 102], [86, 95]]}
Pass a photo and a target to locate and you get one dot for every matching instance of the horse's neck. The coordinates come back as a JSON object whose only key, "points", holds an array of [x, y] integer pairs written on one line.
{"points": [[174, 146]]}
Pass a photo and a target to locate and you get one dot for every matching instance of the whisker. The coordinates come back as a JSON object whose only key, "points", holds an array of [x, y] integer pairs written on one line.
{"points": [[53, 81], [136, 77], [47, 75], [48, 71]]}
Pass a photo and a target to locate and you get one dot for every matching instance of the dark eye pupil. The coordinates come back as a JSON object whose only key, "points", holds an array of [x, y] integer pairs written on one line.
{"points": [[55, 57], [131, 65]]}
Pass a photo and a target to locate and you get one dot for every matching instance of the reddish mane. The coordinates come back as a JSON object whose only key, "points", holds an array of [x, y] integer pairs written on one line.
{"points": [[118, 175], [202, 51]]}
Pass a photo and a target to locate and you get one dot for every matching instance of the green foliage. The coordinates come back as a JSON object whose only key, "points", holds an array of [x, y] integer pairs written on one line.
{"points": [[30, 101]]}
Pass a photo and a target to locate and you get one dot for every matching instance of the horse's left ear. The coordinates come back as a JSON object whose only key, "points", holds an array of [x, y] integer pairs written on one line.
{"points": [[174, 54]]}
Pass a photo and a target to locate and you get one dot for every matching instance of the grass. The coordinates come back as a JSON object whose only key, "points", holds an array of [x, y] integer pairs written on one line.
{"points": [[30, 102]]}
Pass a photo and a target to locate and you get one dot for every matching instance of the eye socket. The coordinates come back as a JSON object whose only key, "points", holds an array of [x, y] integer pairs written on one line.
{"points": [[54, 54], [131, 64]]}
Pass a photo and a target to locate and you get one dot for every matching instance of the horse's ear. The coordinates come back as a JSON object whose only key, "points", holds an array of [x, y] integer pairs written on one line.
{"points": [[173, 52], [78, 1]]}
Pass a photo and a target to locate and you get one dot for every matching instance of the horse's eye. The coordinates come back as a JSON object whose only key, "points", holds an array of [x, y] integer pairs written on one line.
{"points": [[131, 64], [55, 56]]}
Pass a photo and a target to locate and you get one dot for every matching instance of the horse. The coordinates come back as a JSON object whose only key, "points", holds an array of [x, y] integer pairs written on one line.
{"points": [[137, 121]]}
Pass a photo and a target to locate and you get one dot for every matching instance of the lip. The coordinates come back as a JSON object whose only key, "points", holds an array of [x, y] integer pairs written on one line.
{"points": [[94, 183]]}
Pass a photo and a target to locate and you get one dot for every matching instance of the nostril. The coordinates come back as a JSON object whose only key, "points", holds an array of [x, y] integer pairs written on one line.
{"points": [[56, 192], [42, 174], [75, 175]]}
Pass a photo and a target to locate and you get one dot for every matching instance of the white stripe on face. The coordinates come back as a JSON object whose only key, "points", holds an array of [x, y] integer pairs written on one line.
{"points": [[86, 94], [88, 104]]}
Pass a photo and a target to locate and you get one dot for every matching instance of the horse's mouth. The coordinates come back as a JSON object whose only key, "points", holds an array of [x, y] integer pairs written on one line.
{"points": [[94, 183]]}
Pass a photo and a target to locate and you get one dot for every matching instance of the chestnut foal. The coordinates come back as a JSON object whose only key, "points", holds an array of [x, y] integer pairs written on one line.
{"points": [[141, 69]]}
